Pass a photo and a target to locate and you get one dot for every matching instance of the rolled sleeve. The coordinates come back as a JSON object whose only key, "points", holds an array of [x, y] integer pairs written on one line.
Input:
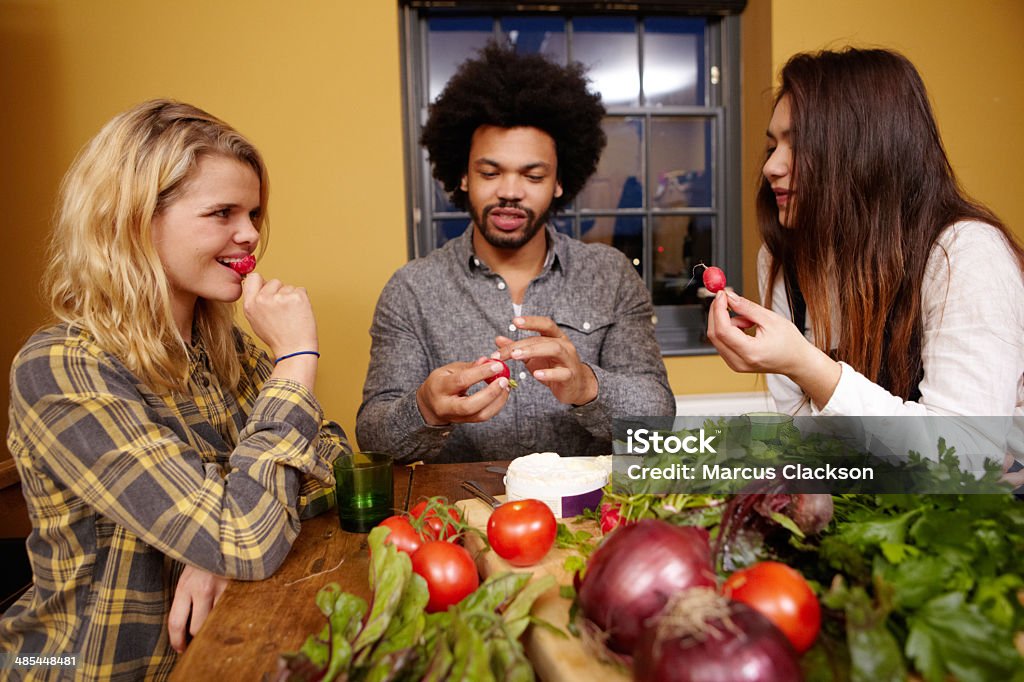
{"points": [[287, 418]]}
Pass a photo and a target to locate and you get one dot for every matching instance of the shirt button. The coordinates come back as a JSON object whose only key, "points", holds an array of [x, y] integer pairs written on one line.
{"points": [[522, 375], [204, 381], [501, 286], [586, 326], [511, 327]]}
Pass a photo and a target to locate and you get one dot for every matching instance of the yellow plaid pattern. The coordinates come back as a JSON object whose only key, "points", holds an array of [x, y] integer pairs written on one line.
{"points": [[125, 485]]}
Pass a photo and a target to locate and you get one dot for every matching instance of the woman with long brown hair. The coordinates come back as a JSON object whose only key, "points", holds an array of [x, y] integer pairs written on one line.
{"points": [[887, 291]]}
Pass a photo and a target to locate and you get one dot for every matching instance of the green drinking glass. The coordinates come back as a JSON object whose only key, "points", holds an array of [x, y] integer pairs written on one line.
{"points": [[365, 488]]}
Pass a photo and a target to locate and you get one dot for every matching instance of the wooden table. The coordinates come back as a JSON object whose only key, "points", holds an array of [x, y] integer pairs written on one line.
{"points": [[254, 622]]}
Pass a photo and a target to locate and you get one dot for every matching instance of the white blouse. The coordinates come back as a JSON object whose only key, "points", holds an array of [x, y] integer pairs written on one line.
{"points": [[972, 302]]}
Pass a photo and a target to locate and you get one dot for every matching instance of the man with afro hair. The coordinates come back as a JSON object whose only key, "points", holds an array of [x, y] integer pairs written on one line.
{"points": [[512, 138]]}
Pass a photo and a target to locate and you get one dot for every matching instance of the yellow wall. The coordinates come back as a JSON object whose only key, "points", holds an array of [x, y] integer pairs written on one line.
{"points": [[971, 57], [316, 85]]}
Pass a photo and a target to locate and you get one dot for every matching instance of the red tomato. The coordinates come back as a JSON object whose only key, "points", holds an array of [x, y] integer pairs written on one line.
{"points": [[522, 531], [403, 536], [434, 526], [783, 596], [449, 571]]}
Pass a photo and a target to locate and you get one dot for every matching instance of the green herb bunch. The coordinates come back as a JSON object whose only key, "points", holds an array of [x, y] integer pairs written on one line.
{"points": [[395, 639]]}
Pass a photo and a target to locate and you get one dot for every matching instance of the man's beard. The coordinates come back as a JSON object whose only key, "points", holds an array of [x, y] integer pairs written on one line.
{"points": [[508, 240]]}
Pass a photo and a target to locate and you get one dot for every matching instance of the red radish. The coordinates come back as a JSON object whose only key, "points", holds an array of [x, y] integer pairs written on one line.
{"points": [[714, 279], [611, 517], [244, 266], [505, 372]]}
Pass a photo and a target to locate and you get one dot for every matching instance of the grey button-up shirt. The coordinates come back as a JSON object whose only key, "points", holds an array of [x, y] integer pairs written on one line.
{"points": [[449, 306]]}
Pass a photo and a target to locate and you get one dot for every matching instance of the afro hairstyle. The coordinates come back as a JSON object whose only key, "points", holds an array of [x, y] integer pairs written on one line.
{"points": [[505, 89]]}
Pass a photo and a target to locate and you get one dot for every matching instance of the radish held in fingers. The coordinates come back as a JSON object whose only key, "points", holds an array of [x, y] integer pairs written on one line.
{"points": [[505, 372], [714, 279]]}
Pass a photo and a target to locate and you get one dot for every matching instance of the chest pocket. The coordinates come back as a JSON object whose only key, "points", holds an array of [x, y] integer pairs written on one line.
{"points": [[586, 331]]}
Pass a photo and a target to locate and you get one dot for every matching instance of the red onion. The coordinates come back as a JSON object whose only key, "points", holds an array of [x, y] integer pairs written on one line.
{"points": [[633, 573], [703, 637]]}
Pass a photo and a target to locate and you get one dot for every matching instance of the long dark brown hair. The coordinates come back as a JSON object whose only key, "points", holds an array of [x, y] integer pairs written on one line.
{"points": [[873, 191]]}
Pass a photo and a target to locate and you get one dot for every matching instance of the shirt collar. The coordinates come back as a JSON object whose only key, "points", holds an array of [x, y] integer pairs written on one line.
{"points": [[463, 246]]}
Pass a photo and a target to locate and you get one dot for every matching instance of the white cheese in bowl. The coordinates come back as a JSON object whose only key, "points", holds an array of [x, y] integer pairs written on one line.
{"points": [[568, 485]]}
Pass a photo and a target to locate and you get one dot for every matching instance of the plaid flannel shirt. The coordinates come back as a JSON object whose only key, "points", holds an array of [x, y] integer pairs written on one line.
{"points": [[125, 485]]}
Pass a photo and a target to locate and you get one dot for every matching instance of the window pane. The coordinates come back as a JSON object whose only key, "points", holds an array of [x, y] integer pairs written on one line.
{"points": [[624, 232], [608, 46], [449, 229], [618, 181], [537, 35], [680, 243], [674, 63], [451, 41], [563, 224], [680, 165], [441, 202]]}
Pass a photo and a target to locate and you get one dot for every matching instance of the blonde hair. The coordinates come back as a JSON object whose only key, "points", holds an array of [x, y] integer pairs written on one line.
{"points": [[104, 273]]}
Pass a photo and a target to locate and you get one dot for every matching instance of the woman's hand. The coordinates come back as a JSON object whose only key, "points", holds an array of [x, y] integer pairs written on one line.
{"points": [[777, 346], [280, 314], [197, 592]]}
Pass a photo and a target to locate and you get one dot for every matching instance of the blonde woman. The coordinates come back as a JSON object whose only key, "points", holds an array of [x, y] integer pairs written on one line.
{"points": [[160, 450]]}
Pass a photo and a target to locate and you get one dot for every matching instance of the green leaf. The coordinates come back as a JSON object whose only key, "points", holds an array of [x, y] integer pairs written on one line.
{"points": [[874, 653], [403, 632], [440, 660], [897, 553], [947, 637], [918, 580], [495, 593], [508, 662], [470, 660], [997, 599], [787, 523], [517, 615], [390, 570]]}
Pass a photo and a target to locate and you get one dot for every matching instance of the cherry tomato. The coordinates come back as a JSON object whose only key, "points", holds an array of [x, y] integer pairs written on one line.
{"points": [[434, 526], [403, 536], [783, 596], [522, 531], [449, 571]]}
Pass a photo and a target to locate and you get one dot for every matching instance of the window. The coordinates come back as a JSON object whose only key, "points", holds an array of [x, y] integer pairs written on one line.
{"points": [[666, 192]]}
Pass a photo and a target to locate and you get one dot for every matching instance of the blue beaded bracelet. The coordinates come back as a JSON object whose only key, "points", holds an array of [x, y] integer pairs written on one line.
{"points": [[292, 355]]}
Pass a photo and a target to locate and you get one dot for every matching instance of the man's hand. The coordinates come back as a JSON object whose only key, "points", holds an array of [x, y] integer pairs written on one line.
{"points": [[442, 397], [197, 593], [551, 359]]}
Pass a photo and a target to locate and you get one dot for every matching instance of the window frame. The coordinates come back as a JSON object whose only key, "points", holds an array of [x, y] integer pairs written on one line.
{"points": [[680, 328]]}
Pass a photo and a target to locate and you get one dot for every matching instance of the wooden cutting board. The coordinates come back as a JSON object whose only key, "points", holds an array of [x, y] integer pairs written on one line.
{"points": [[555, 658]]}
